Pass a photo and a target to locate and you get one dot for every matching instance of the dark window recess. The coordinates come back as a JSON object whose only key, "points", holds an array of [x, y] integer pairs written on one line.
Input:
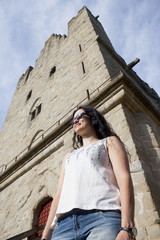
{"points": [[83, 67], [38, 109], [52, 71], [43, 215], [88, 95], [33, 114], [80, 48], [29, 95]]}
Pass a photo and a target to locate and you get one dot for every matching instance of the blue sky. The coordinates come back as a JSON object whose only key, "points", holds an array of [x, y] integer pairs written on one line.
{"points": [[133, 27]]}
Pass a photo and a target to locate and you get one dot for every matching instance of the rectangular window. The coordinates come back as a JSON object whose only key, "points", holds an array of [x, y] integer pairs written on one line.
{"points": [[83, 68], [52, 71], [80, 48], [29, 95]]}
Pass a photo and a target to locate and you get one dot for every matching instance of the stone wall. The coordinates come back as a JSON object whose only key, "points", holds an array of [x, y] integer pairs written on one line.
{"points": [[79, 66]]}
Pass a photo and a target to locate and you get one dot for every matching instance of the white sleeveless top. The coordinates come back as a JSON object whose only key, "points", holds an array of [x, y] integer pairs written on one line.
{"points": [[89, 180]]}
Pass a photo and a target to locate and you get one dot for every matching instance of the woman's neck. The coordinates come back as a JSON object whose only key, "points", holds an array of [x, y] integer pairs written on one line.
{"points": [[89, 140]]}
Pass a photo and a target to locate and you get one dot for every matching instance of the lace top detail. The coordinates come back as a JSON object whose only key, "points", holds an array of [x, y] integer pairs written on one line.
{"points": [[89, 181]]}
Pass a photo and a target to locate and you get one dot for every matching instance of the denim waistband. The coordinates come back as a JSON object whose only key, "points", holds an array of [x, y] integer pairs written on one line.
{"points": [[77, 211]]}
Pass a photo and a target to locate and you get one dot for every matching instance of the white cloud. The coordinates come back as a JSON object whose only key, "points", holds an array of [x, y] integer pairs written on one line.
{"points": [[132, 26]]}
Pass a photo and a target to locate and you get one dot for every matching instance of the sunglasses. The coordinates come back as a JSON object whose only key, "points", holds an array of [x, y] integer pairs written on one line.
{"points": [[78, 117]]}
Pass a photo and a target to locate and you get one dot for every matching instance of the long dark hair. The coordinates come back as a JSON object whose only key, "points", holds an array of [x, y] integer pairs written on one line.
{"points": [[101, 126]]}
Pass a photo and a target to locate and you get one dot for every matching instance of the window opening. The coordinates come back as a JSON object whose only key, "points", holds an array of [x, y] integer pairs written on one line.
{"points": [[52, 71], [80, 48], [35, 109], [29, 95], [83, 67], [38, 109], [33, 114], [88, 95], [43, 215]]}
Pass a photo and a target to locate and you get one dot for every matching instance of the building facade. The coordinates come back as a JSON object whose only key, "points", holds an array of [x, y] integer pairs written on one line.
{"points": [[79, 69]]}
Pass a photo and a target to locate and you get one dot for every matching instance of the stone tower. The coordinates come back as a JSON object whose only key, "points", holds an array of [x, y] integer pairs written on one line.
{"points": [[79, 69]]}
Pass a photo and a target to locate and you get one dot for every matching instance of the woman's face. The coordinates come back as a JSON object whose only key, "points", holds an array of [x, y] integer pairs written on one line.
{"points": [[81, 122]]}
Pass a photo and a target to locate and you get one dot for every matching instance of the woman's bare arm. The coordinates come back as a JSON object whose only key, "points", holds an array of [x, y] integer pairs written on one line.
{"points": [[119, 160]]}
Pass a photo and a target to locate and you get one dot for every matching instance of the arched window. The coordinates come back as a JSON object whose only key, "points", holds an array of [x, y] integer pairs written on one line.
{"points": [[43, 215], [35, 137], [35, 109], [40, 216]]}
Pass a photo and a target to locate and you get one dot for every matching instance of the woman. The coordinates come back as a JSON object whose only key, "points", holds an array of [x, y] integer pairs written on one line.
{"points": [[94, 199]]}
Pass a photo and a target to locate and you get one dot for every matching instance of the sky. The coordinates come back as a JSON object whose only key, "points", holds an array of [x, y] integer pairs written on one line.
{"points": [[133, 27]]}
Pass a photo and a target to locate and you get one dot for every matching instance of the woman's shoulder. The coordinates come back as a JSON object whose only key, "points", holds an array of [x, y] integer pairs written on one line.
{"points": [[112, 139]]}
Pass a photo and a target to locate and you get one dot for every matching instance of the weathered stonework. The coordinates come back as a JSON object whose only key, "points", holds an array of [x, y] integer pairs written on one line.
{"points": [[66, 68]]}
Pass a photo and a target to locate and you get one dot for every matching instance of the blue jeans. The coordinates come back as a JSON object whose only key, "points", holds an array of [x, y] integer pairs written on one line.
{"points": [[98, 225]]}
